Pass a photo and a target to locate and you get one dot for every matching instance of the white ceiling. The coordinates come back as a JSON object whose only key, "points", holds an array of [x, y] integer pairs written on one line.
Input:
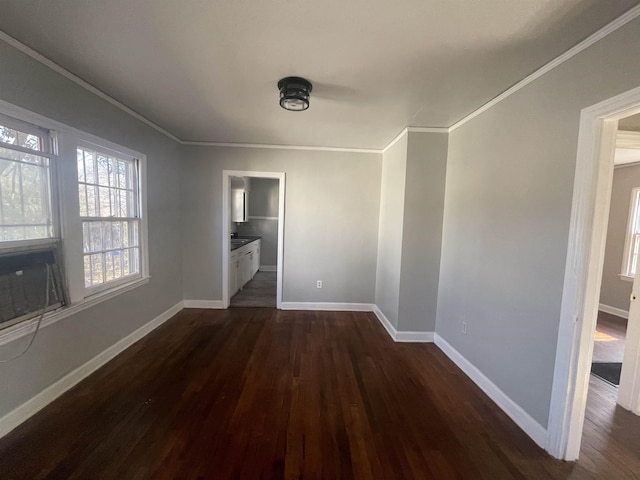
{"points": [[207, 70]]}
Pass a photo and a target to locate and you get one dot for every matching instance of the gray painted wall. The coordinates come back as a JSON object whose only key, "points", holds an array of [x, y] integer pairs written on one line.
{"points": [[614, 291], [392, 188], [509, 184], [263, 202], [422, 231], [69, 343], [331, 220]]}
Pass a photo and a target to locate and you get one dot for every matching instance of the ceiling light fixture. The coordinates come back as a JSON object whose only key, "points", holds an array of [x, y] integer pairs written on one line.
{"points": [[294, 93]]}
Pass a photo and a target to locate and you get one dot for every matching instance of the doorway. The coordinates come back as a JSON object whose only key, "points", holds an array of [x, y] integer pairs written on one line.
{"points": [[252, 241], [583, 276]]}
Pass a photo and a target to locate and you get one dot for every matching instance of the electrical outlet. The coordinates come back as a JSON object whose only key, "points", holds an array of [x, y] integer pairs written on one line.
{"points": [[319, 284], [464, 327]]}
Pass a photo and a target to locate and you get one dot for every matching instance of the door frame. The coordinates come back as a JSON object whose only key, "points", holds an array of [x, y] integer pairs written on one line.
{"points": [[583, 270], [226, 211]]}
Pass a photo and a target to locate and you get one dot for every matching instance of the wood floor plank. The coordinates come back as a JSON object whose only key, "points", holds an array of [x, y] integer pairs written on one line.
{"points": [[258, 393]]}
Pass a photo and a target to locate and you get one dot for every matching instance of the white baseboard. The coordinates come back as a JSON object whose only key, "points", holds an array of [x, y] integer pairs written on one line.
{"points": [[527, 423], [326, 306], [268, 268], [618, 312], [402, 336], [213, 304], [32, 406]]}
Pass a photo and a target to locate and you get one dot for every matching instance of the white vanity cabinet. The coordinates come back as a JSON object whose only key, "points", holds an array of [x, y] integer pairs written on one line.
{"points": [[244, 262]]}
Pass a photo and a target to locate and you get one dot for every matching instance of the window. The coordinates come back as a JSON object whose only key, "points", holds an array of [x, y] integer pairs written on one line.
{"points": [[632, 241], [25, 182], [72, 219], [108, 200]]}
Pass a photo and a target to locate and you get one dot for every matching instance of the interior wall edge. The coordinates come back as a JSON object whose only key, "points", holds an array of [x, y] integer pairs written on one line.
{"points": [[526, 422]]}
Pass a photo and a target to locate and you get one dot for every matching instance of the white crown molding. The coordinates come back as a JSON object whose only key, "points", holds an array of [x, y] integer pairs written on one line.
{"points": [[628, 139], [282, 147], [427, 129], [395, 139], [572, 52], [21, 413], [600, 34], [18, 45]]}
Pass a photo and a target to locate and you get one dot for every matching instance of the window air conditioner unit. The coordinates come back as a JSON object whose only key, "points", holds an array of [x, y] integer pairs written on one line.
{"points": [[23, 284]]}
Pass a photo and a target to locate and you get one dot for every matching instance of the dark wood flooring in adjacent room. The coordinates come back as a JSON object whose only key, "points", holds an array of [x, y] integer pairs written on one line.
{"points": [[260, 291], [611, 435], [258, 393]]}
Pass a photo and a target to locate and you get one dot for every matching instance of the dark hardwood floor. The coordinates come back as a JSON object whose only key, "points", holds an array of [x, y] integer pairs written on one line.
{"points": [[611, 435], [258, 393]]}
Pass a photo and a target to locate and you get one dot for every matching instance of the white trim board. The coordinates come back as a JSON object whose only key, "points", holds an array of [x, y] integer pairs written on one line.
{"points": [[618, 312], [268, 268], [18, 45], [527, 423], [282, 147], [328, 306], [408, 130], [210, 304], [226, 215], [583, 271], [32, 406], [28, 326], [559, 60], [402, 336], [622, 20]]}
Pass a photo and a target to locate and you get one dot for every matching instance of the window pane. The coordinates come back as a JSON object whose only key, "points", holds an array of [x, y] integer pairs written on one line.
{"points": [[97, 275], [24, 196], [95, 237], [83, 200], [88, 278], [89, 166], [109, 273], [12, 136], [92, 201], [86, 242], [116, 234], [80, 162], [106, 236], [105, 202], [103, 170]]}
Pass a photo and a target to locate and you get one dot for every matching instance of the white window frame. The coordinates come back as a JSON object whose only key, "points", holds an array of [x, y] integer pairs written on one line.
{"points": [[632, 231], [91, 290], [67, 223], [72, 223]]}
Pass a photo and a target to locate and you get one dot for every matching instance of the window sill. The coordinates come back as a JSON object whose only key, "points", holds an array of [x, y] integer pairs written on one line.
{"points": [[626, 278], [28, 326]]}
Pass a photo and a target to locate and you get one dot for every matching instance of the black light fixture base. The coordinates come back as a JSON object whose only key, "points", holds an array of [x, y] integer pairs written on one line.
{"points": [[294, 93]]}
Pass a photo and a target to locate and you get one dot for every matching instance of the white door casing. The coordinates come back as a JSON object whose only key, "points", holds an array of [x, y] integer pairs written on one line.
{"points": [[583, 271], [226, 212]]}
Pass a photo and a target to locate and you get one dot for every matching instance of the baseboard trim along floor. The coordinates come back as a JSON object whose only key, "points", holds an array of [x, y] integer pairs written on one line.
{"points": [[402, 336], [214, 304], [14, 418], [527, 423]]}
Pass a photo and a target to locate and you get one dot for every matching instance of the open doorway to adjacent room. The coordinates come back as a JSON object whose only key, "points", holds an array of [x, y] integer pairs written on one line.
{"points": [[596, 398], [253, 238]]}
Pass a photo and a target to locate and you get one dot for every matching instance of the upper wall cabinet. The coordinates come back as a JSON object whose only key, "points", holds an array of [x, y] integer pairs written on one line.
{"points": [[240, 187]]}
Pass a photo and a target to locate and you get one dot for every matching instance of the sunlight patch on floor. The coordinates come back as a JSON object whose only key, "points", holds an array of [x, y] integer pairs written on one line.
{"points": [[603, 337]]}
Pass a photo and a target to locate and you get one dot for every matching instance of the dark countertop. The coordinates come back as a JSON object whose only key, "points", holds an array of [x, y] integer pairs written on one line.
{"points": [[245, 241]]}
